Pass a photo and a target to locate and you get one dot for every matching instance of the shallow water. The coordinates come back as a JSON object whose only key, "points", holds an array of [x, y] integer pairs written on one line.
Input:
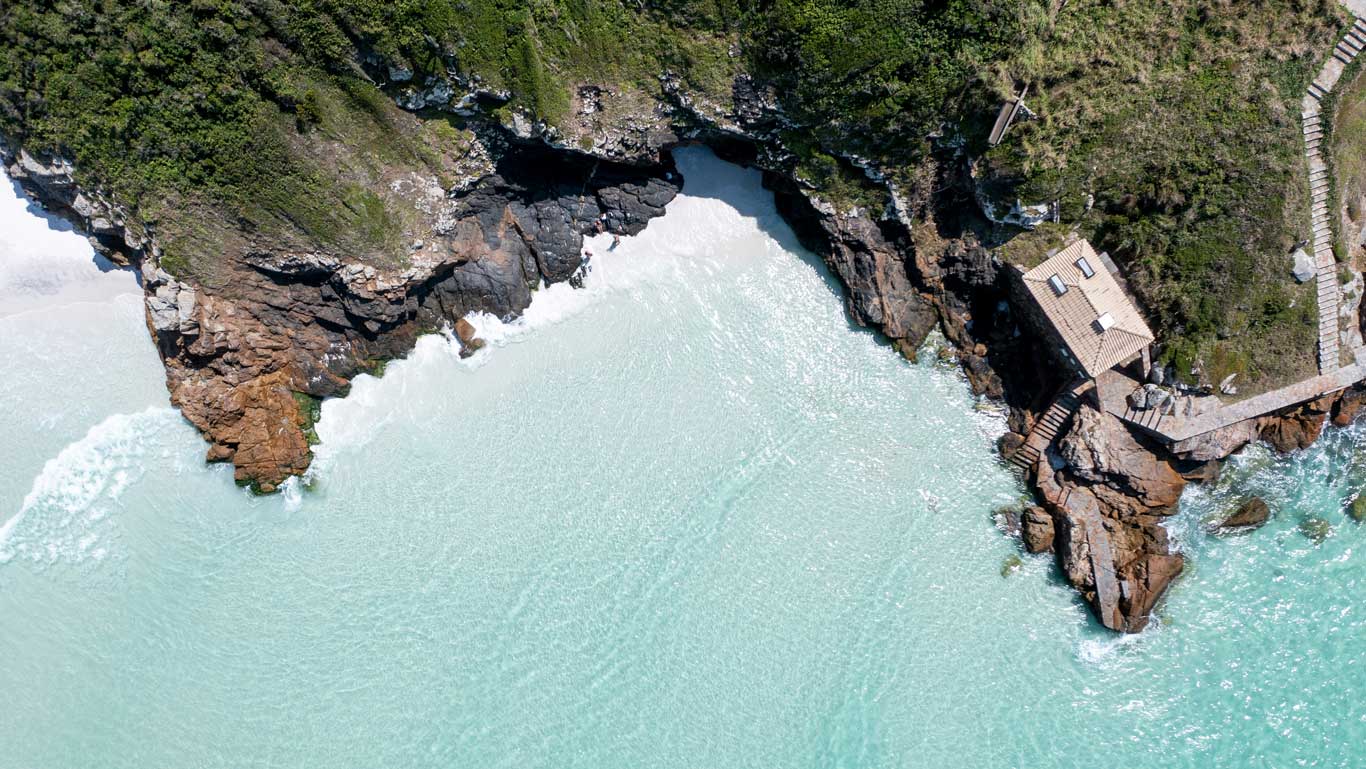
{"points": [[686, 517]]}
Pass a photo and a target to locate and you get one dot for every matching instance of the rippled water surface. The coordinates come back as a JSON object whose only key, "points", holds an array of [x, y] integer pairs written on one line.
{"points": [[686, 517]]}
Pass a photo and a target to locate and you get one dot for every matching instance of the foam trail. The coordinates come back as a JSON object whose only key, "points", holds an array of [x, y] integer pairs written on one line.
{"points": [[66, 515]]}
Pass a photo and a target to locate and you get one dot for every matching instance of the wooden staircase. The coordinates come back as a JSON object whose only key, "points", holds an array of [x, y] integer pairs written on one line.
{"points": [[1320, 185], [1054, 419]]}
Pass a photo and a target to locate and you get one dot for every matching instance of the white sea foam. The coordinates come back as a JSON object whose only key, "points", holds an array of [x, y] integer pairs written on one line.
{"points": [[66, 515], [1096, 651]]}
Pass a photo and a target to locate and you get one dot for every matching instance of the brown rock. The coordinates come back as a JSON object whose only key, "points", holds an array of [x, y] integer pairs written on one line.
{"points": [[1349, 405], [1010, 443], [1144, 584], [469, 343], [1100, 450], [1293, 431], [464, 331], [259, 426], [1200, 472], [983, 379], [1250, 514], [1036, 528]]}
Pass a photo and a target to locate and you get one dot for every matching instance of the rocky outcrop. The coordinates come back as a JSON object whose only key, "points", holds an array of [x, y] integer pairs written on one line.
{"points": [[870, 259], [1296, 429], [280, 326], [1108, 495], [1037, 530], [1249, 515], [288, 323]]}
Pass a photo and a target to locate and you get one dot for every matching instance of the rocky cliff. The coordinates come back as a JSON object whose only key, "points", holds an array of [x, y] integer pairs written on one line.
{"points": [[282, 321]]}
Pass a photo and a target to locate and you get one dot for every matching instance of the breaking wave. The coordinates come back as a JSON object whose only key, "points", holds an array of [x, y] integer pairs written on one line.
{"points": [[67, 515]]}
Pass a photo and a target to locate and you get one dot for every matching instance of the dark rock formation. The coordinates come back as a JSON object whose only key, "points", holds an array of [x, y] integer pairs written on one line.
{"points": [[1250, 515], [869, 258]]}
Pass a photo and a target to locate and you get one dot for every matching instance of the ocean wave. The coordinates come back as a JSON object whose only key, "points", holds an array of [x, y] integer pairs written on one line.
{"points": [[65, 517]]}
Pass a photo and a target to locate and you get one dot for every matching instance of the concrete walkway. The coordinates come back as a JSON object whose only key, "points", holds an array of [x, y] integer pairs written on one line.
{"points": [[1113, 388]]}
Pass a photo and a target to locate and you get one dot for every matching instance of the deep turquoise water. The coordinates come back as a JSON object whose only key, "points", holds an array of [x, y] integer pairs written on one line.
{"points": [[687, 517]]}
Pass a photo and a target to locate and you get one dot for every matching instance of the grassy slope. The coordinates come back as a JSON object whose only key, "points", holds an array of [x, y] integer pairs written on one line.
{"points": [[1347, 155], [216, 120], [1181, 118]]}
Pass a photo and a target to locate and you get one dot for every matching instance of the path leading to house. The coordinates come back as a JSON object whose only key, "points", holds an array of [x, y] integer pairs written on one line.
{"points": [[1048, 426], [1172, 423], [1320, 187], [1114, 388]]}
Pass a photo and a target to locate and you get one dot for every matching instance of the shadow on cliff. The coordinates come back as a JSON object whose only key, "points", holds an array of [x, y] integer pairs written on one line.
{"points": [[58, 224]]}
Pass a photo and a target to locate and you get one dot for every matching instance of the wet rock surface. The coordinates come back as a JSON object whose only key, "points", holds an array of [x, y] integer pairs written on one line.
{"points": [[1108, 495], [1251, 514]]}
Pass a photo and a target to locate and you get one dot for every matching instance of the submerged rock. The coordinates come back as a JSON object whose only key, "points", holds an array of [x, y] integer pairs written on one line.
{"points": [[1011, 564], [1251, 514], [1357, 510], [1316, 529]]}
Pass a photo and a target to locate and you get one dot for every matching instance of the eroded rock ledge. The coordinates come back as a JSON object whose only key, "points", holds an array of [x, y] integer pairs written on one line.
{"points": [[247, 357]]}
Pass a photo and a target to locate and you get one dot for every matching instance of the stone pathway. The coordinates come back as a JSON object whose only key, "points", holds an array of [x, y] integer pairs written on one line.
{"points": [[1115, 386], [1326, 268]]}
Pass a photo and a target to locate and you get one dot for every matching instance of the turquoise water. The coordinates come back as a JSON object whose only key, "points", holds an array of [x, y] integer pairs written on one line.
{"points": [[687, 517]]}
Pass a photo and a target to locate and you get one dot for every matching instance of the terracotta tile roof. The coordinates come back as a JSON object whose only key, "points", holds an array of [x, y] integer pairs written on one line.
{"points": [[1093, 315]]}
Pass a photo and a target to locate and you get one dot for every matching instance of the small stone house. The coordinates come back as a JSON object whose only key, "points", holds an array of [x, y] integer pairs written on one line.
{"points": [[1074, 297]]}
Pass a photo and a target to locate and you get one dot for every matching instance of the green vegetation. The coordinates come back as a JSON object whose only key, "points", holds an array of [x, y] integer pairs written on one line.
{"points": [[1345, 154], [1029, 249], [1181, 156], [310, 411]]}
